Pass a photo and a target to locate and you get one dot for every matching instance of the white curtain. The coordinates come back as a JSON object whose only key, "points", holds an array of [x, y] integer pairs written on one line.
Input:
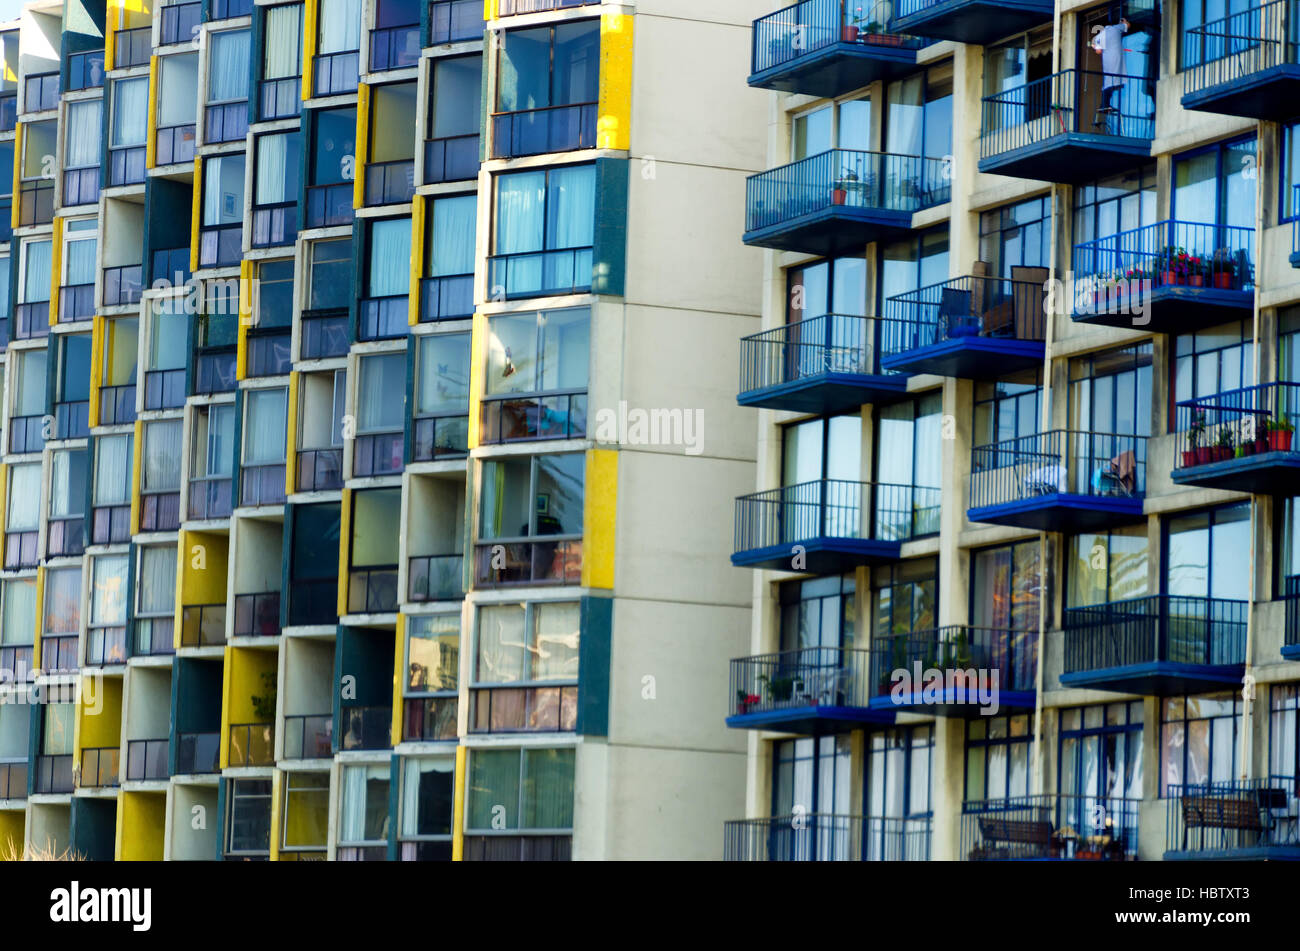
{"points": [[112, 470], [390, 257], [340, 26], [221, 434], [555, 649], [454, 221], [283, 41], [130, 112], [157, 584], [68, 483], [272, 169], [265, 427], [31, 384], [178, 90], [24, 498], [81, 261], [36, 279], [81, 140], [19, 615], [571, 210], [108, 591], [411, 770], [521, 201], [356, 787], [380, 398], [228, 66], [501, 645], [162, 456]]}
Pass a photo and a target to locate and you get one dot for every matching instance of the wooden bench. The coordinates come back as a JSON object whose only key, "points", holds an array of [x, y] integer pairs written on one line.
{"points": [[1221, 812], [1017, 832]]}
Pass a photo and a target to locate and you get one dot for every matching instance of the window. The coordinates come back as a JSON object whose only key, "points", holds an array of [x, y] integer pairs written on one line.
{"points": [[363, 812], [1109, 206], [331, 274], [1016, 237], [426, 808], [452, 153], [529, 643], [537, 376], [381, 399], [899, 763], [330, 168], [314, 564], [1101, 752], [395, 38], [18, 610], [442, 396], [1198, 740], [162, 458], [106, 637], [912, 264], [72, 387], [77, 297], [909, 449], [281, 61], [22, 524], [812, 776], [533, 496], [818, 613], [1007, 587], [547, 90], [68, 469], [168, 346], [178, 94], [112, 470], [918, 114], [82, 152], [390, 172], [1203, 554], [1284, 733], [528, 790], [228, 57], [58, 733], [1106, 566], [130, 113], [1215, 186], [1110, 391], [997, 757], [845, 125], [275, 197], [265, 426], [1014, 65], [1007, 409], [306, 812], [544, 232], [25, 428], [449, 288], [905, 597], [34, 278], [121, 350], [62, 602], [269, 337], [376, 521], [249, 819], [384, 311], [432, 676], [340, 28], [1212, 361], [837, 286], [221, 241]]}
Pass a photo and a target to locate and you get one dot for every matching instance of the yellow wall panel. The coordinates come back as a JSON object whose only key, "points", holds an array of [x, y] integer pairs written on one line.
{"points": [[614, 109], [56, 269], [12, 832], [142, 824], [345, 545], [102, 729], [363, 146], [291, 435], [309, 16], [600, 511]]}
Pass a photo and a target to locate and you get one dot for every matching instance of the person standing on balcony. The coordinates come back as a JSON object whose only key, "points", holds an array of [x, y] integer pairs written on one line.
{"points": [[1108, 43]]}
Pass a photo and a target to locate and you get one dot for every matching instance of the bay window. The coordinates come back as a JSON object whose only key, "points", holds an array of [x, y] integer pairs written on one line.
{"points": [[451, 150], [441, 423], [34, 290], [23, 518], [338, 47], [226, 114], [537, 374], [81, 152], [544, 232], [363, 813], [72, 387], [372, 559], [331, 167], [281, 62], [155, 599], [526, 668], [111, 492], [275, 193], [395, 37], [221, 234], [448, 288], [178, 94], [547, 90], [120, 359], [383, 311], [106, 630], [329, 282], [26, 423], [160, 481], [212, 459], [520, 804], [164, 379], [526, 499], [261, 475], [432, 677], [77, 286], [127, 132], [390, 169], [61, 626], [425, 809], [69, 470], [380, 412]]}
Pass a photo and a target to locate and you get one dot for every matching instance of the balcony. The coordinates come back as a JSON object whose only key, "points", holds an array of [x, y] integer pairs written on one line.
{"points": [[163, 389], [336, 74], [80, 186], [439, 437], [813, 690], [365, 728], [1241, 819], [221, 245], [390, 183], [110, 525], [1244, 64], [1066, 128], [974, 328], [313, 601], [329, 205], [126, 166], [977, 22], [377, 454], [180, 23], [174, 144], [429, 719], [76, 302], [262, 485], [450, 297], [1051, 826], [320, 470], [160, 511], [99, 767], [556, 561], [105, 646], [146, 759], [372, 590], [132, 47], [383, 318], [823, 837], [1161, 645], [203, 625], [225, 122], [209, 498], [279, 98], [40, 92], [54, 773], [309, 736], [818, 365], [252, 744], [435, 578], [324, 334], [66, 537], [85, 70], [831, 525], [839, 200], [72, 419], [451, 159], [554, 273], [975, 667], [197, 753], [1291, 636], [257, 615], [1240, 440], [35, 202], [275, 225], [123, 285], [1167, 277], [59, 653], [13, 778], [525, 417], [1059, 481], [455, 21], [32, 320], [394, 47], [566, 128], [821, 49]]}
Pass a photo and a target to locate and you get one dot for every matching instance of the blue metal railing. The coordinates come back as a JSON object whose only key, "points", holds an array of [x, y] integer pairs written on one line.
{"points": [[963, 307], [1161, 627], [1073, 100], [813, 25], [823, 837], [1242, 422], [1013, 654], [835, 508], [810, 676], [1231, 814], [875, 180], [1058, 461], [1236, 46], [831, 343], [1051, 826], [539, 131], [1170, 253]]}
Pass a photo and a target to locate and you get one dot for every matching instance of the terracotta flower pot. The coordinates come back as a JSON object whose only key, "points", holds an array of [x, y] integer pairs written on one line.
{"points": [[1196, 280], [850, 34], [1189, 458], [1222, 281], [1279, 440], [1169, 277], [1204, 455], [839, 196]]}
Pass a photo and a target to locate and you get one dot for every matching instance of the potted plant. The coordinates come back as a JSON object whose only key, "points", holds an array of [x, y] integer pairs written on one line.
{"points": [[851, 29], [1195, 271], [1173, 266], [1223, 445], [1193, 456], [1280, 433], [1223, 270], [746, 701], [779, 688]]}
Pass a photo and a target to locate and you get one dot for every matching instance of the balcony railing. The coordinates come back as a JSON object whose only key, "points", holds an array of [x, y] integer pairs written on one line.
{"points": [[180, 23], [280, 98], [155, 636], [13, 778], [203, 625], [123, 285], [324, 334], [197, 753], [1073, 100], [210, 497], [160, 511], [528, 416], [40, 92], [229, 9], [171, 265], [59, 653], [1157, 628], [54, 773], [1170, 254], [960, 650], [553, 561], [536, 709], [823, 837], [80, 186], [807, 349], [146, 759], [429, 719], [435, 578], [126, 165], [66, 536], [390, 183], [174, 144], [451, 159], [105, 646], [1051, 826], [439, 437], [275, 225], [36, 202], [454, 21], [1237, 423], [85, 70], [313, 601], [221, 245], [565, 128], [366, 728], [252, 744], [834, 508], [26, 434], [1239, 46], [1232, 819], [21, 549], [809, 677], [1100, 465], [372, 590], [163, 389], [262, 485], [320, 470], [394, 47], [269, 351], [110, 524], [337, 73], [513, 7], [76, 302], [225, 122], [845, 179], [810, 27], [308, 736], [214, 371], [988, 307], [32, 320], [376, 454], [446, 298], [257, 615], [72, 419], [540, 273], [329, 205], [382, 318], [132, 47], [99, 767]]}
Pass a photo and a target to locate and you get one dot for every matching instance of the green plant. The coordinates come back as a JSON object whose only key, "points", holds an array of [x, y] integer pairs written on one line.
{"points": [[1225, 440], [264, 705], [1197, 432], [1283, 425], [779, 688]]}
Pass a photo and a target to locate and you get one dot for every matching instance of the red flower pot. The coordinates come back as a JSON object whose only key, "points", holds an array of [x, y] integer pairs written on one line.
{"points": [[1203, 455], [1279, 440], [1196, 280], [1222, 281], [1170, 277], [850, 34], [839, 196], [1189, 458]]}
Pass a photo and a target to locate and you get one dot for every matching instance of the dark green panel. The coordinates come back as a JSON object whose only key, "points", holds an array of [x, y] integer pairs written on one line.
{"points": [[594, 647], [92, 826], [609, 262]]}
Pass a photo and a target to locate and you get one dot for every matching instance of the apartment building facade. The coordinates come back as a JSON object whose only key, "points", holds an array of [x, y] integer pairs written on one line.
{"points": [[330, 528], [1027, 388]]}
